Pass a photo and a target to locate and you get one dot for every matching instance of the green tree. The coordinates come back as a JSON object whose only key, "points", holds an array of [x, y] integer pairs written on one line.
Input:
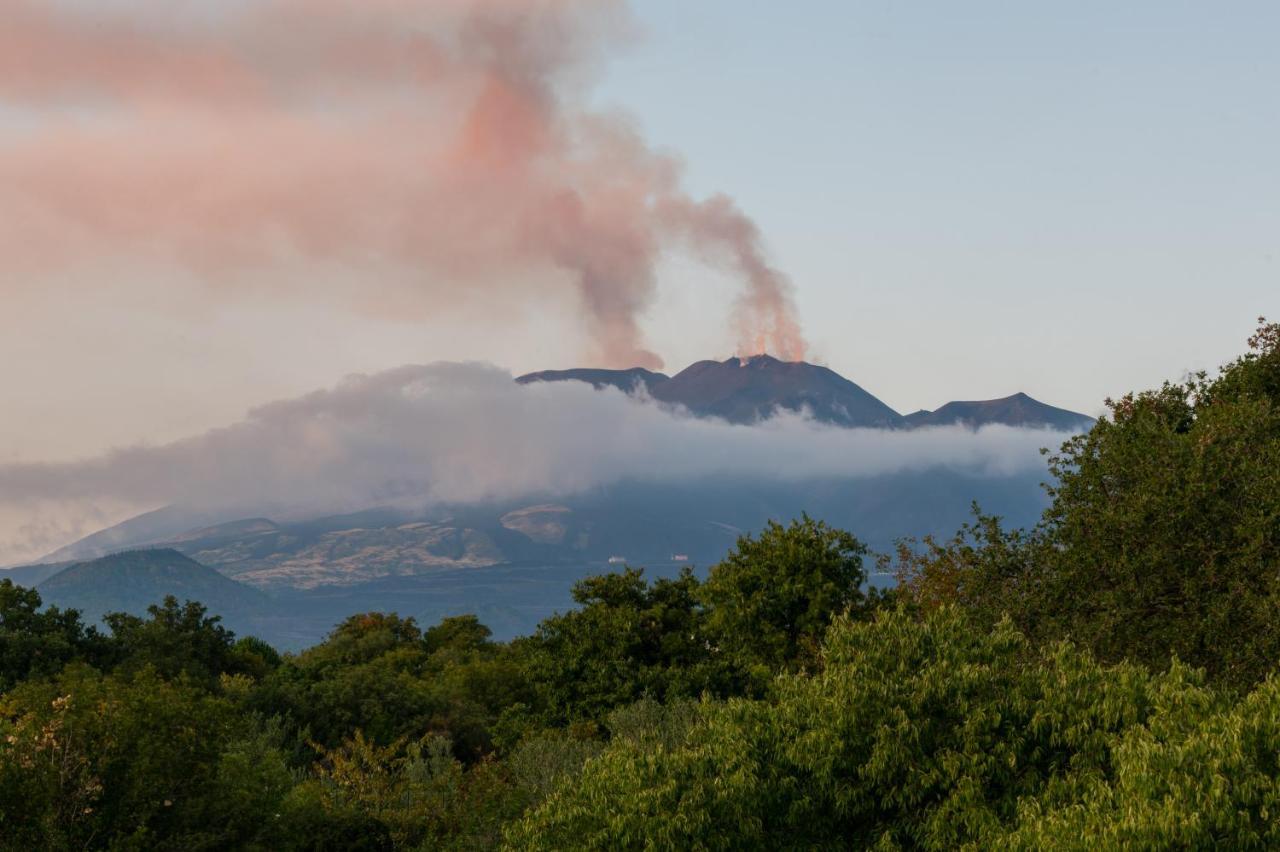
{"points": [[132, 761], [772, 598], [174, 640], [627, 639], [1164, 532], [1162, 538], [254, 657], [365, 796], [935, 733], [380, 675], [366, 676], [985, 569], [763, 609], [461, 633], [35, 643]]}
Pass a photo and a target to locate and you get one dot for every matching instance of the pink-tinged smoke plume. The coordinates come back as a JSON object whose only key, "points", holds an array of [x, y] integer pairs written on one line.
{"points": [[389, 152]]}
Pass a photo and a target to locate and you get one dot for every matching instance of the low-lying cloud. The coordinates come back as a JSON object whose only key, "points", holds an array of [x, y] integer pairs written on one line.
{"points": [[459, 433]]}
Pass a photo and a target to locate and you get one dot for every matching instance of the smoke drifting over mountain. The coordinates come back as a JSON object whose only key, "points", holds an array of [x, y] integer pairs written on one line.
{"points": [[391, 154], [447, 433]]}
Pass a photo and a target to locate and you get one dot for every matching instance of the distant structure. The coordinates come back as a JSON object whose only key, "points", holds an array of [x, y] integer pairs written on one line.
{"points": [[617, 560]]}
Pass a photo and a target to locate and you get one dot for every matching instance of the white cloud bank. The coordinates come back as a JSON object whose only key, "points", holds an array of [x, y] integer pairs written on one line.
{"points": [[446, 433]]}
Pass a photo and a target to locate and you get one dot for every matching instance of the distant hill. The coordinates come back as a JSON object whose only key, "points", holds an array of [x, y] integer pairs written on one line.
{"points": [[133, 580], [1016, 410]]}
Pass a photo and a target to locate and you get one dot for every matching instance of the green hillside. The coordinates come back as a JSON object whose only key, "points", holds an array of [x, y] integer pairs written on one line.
{"points": [[134, 580]]}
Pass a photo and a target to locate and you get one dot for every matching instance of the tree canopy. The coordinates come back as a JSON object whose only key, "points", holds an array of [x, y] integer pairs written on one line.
{"points": [[1162, 538]]}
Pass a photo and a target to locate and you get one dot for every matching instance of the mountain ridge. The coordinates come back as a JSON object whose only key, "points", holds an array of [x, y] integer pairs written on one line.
{"points": [[1018, 409], [748, 390], [624, 380]]}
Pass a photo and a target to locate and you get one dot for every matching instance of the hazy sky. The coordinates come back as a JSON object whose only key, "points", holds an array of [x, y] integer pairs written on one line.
{"points": [[1074, 199], [970, 199]]}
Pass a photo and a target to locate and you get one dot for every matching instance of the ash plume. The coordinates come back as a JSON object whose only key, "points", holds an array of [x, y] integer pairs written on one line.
{"points": [[391, 154]]}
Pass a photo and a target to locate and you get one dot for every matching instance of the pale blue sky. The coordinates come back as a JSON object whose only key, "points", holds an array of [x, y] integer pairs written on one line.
{"points": [[972, 199]]}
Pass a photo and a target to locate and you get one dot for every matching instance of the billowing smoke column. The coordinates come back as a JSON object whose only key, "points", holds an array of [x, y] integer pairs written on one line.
{"points": [[386, 152]]}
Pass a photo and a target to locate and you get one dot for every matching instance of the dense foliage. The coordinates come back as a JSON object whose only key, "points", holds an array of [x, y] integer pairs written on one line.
{"points": [[1163, 537], [935, 735], [1104, 680]]}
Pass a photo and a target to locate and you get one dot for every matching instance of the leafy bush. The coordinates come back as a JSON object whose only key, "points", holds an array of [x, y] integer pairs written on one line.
{"points": [[935, 734]]}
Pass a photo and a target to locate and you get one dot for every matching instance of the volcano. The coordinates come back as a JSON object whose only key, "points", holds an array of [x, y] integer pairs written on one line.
{"points": [[745, 390], [749, 390]]}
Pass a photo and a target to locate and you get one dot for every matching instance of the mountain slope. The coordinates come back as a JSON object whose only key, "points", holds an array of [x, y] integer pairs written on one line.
{"points": [[322, 570], [339, 550], [142, 529], [133, 580], [746, 390], [1016, 410]]}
